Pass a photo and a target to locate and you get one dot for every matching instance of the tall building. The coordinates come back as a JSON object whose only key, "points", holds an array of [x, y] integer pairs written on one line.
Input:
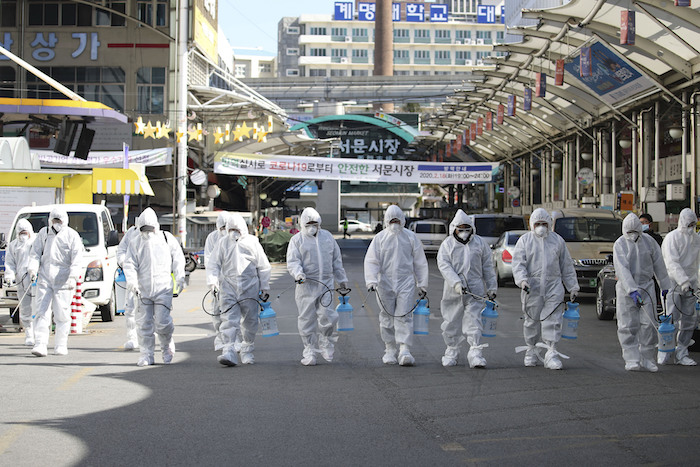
{"points": [[430, 38]]}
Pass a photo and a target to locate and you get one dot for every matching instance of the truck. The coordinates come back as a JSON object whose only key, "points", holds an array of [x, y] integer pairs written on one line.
{"points": [[94, 224]]}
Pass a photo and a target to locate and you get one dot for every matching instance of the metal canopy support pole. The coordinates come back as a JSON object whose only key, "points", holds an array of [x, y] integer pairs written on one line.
{"points": [[635, 161], [613, 157], [578, 166], [657, 142], [596, 167], [684, 143], [181, 179]]}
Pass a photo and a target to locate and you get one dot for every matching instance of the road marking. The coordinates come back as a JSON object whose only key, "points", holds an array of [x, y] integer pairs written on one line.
{"points": [[10, 436], [74, 379], [452, 447]]}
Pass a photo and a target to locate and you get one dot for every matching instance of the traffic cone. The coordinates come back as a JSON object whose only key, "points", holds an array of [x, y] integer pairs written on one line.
{"points": [[76, 315]]}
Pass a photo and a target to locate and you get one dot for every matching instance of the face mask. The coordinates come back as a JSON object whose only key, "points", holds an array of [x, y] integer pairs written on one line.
{"points": [[634, 236], [395, 228], [312, 230], [645, 227], [57, 227], [23, 237], [541, 230], [147, 235], [464, 234], [235, 235]]}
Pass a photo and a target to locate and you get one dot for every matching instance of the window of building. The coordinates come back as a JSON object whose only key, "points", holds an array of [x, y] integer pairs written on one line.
{"points": [[101, 84], [150, 84], [265, 68], [146, 9], [317, 31], [359, 53], [359, 32], [293, 51], [317, 52], [482, 55], [8, 14], [401, 34], [401, 72], [400, 54], [463, 55], [240, 70], [422, 34], [444, 73], [500, 36], [463, 34], [292, 72], [339, 31], [339, 72], [421, 73], [292, 30], [76, 14], [316, 72], [8, 79], [483, 35], [421, 55], [339, 52], [360, 73], [109, 18], [442, 34], [442, 55]]}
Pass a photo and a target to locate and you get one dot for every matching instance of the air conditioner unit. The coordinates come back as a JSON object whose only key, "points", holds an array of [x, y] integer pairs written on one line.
{"points": [[479, 42], [343, 60], [458, 41], [348, 39], [468, 63], [479, 63], [467, 41]]}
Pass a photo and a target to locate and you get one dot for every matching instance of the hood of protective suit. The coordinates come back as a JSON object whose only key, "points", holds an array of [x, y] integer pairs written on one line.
{"points": [[22, 225], [394, 212], [686, 217], [631, 223], [59, 213], [460, 218], [236, 221], [221, 220], [540, 215], [309, 215], [148, 217]]}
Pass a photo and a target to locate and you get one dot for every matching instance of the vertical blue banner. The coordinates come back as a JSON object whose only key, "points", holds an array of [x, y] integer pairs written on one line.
{"points": [[585, 61], [527, 101]]}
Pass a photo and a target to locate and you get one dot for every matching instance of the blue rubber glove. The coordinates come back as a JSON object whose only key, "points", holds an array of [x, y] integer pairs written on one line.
{"points": [[637, 297], [664, 293]]}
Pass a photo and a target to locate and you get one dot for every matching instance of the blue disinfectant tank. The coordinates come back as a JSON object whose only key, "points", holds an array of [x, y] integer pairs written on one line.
{"points": [[569, 326], [667, 334], [120, 289], [421, 318], [344, 310], [489, 319], [268, 320]]}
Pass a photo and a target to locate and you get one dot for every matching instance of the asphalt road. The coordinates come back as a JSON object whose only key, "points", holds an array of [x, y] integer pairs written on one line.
{"points": [[96, 407]]}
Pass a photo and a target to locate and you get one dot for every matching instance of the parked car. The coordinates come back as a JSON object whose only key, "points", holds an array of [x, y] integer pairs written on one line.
{"points": [[431, 233], [589, 235], [503, 254], [491, 226], [355, 226]]}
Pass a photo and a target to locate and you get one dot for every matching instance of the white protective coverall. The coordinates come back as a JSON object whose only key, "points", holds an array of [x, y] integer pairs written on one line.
{"points": [[543, 263], [150, 259], [209, 246], [637, 259], [466, 264], [395, 264], [16, 261], [315, 258], [240, 269], [57, 258], [132, 339], [681, 253]]}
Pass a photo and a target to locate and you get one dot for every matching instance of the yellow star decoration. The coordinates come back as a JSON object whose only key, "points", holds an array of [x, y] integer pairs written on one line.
{"points": [[218, 136], [240, 131], [163, 131], [194, 133], [180, 134], [262, 136], [139, 126], [149, 131]]}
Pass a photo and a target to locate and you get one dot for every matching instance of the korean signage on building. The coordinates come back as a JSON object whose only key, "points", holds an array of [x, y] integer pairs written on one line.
{"points": [[412, 12], [323, 168]]}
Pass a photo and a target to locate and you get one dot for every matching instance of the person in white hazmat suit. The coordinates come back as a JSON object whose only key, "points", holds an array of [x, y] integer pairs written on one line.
{"points": [[209, 246], [465, 261], [56, 258], [132, 338], [542, 267], [395, 265], [681, 253], [637, 259], [239, 272], [16, 261], [150, 259], [314, 261]]}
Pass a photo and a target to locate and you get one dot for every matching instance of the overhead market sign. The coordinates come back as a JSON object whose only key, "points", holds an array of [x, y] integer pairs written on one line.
{"points": [[367, 170]]}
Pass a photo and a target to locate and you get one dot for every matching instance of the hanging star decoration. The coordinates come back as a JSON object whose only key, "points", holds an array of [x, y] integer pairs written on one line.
{"points": [[139, 126], [149, 131], [179, 134], [218, 136], [163, 131], [195, 133]]}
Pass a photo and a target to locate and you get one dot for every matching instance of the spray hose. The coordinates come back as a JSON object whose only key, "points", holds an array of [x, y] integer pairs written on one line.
{"points": [[328, 291], [695, 293], [215, 294], [421, 296], [26, 291]]}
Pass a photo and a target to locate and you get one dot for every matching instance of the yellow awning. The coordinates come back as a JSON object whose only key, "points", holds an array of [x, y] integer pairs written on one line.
{"points": [[131, 181]]}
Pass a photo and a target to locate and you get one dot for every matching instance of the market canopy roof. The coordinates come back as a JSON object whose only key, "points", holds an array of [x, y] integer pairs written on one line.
{"points": [[664, 60], [53, 111]]}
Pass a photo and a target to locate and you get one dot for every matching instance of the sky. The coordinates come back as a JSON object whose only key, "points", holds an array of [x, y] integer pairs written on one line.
{"points": [[253, 24]]}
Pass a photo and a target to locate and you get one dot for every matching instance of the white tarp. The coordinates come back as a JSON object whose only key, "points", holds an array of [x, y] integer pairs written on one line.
{"points": [[112, 159], [368, 170]]}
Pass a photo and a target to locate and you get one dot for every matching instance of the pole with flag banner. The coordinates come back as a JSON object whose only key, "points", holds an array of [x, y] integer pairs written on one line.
{"points": [[559, 73], [489, 121]]}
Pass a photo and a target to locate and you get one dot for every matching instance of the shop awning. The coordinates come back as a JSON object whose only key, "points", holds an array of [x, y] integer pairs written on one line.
{"points": [[131, 181], [15, 110]]}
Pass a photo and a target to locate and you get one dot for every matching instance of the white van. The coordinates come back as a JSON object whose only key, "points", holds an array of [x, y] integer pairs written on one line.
{"points": [[94, 224]]}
